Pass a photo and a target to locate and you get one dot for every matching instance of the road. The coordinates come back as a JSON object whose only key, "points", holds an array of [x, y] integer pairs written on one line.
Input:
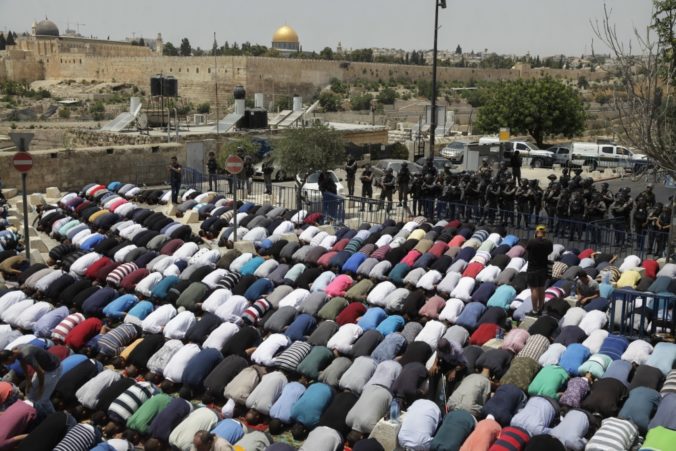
{"points": [[662, 193]]}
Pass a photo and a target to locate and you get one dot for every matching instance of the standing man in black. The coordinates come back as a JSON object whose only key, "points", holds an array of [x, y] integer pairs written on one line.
{"points": [[388, 183], [212, 167], [175, 179], [351, 173], [268, 169], [515, 163], [366, 184], [538, 250], [403, 180]]}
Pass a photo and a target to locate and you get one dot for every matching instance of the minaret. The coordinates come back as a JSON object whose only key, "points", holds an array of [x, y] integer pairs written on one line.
{"points": [[159, 44]]}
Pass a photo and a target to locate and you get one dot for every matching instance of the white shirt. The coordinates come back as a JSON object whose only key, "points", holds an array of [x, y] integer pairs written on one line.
{"points": [[431, 333], [308, 234], [328, 242], [283, 228], [395, 300], [592, 321], [489, 274], [419, 425], [29, 316], [383, 240], [236, 265], [124, 209], [294, 299], [414, 276], [516, 263], [45, 281], [449, 282], [158, 361], [213, 277], [10, 298], [630, 262], [638, 352], [80, 265], [172, 270], [146, 285], [266, 351], [88, 394], [256, 234], [378, 295], [122, 253], [219, 336], [11, 315], [179, 325], [299, 217], [232, 309], [342, 340], [463, 290], [22, 340], [595, 340], [80, 236], [179, 362], [186, 250], [429, 280], [380, 269], [162, 265], [121, 225], [130, 231], [552, 354], [197, 256], [158, 318], [318, 238], [587, 262], [322, 281], [452, 310], [266, 268], [573, 316], [216, 299]]}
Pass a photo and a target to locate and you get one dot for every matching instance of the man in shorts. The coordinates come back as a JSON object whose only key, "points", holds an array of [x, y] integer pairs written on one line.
{"points": [[538, 250]]}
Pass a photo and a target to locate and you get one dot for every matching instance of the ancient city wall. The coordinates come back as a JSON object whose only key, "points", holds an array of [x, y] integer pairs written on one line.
{"points": [[18, 65], [72, 169]]}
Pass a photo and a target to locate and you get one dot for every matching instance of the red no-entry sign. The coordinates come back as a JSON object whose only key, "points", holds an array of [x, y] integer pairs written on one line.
{"points": [[23, 162], [234, 164]]}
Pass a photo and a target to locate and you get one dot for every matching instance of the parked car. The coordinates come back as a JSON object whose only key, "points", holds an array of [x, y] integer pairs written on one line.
{"points": [[380, 166], [604, 155], [532, 155], [439, 162], [561, 155], [310, 188], [454, 151], [278, 174]]}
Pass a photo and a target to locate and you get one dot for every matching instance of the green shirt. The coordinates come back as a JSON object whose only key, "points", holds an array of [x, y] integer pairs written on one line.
{"points": [[521, 372], [659, 438], [548, 382], [141, 419], [318, 359], [332, 308]]}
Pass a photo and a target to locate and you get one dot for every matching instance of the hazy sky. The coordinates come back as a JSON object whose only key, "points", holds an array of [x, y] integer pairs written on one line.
{"points": [[543, 27]]}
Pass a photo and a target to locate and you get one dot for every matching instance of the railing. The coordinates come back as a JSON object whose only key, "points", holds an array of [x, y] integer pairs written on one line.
{"points": [[641, 315]]}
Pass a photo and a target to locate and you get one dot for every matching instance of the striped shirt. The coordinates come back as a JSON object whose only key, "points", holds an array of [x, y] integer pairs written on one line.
{"points": [[131, 399], [81, 437], [112, 342], [536, 345], [613, 434], [64, 327], [292, 356], [669, 384], [116, 276], [510, 439]]}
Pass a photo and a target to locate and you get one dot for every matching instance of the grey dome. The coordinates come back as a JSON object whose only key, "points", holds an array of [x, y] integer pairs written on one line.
{"points": [[46, 28]]}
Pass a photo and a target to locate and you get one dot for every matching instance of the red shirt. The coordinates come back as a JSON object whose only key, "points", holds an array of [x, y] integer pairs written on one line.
{"points": [[60, 351], [92, 269], [351, 313], [325, 259], [312, 218], [340, 245], [473, 269], [411, 257], [585, 253], [129, 281], [651, 268], [80, 334], [103, 272], [483, 333], [171, 246], [456, 241], [456, 223], [438, 249]]}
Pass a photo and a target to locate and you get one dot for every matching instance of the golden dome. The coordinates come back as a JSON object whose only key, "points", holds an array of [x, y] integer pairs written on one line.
{"points": [[285, 34]]}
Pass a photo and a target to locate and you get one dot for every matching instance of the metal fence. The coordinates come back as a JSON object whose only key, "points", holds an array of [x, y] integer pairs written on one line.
{"points": [[636, 314]]}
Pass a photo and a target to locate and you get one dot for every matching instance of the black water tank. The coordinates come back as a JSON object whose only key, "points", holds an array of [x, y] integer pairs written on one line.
{"points": [[156, 85], [258, 118], [239, 92], [170, 87]]}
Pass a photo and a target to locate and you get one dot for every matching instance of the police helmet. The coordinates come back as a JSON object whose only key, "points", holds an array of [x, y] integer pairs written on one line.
{"points": [[551, 177], [605, 185], [389, 170], [404, 164], [649, 186]]}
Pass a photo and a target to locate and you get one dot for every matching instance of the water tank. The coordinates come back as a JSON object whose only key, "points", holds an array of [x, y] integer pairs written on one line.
{"points": [[156, 85], [240, 106], [239, 92], [170, 87], [297, 103], [258, 118], [259, 100]]}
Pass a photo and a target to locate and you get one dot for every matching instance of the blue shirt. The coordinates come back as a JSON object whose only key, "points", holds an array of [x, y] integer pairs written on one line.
{"points": [[510, 240], [466, 254], [309, 408], [43, 326], [574, 356], [502, 297], [141, 310], [161, 290], [614, 346], [619, 369], [484, 292], [200, 366], [470, 315], [392, 323], [281, 409], [302, 326], [257, 289], [372, 318], [71, 362], [398, 273], [251, 266], [97, 301], [91, 241], [119, 307], [353, 262], [229, 429], [388, 348]]}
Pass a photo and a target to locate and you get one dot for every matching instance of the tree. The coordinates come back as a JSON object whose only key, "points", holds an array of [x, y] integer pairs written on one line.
{"points": [[326, 53], [214, 47], [3, 42], [302, 151], [10, 38], [387, 96], [424, 88], [142, 42], [582, 82], [169, 50], [539, 107], [186, 49], [361, 102], [198, 52], [329, 101], [458, 50], [644, 102]]}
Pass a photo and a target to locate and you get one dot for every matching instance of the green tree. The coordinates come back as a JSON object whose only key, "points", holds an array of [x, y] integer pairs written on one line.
{"points": [[424, 87], [198, 52], [142, 42], [387, 96], [326, 53], [582, 82], [186, 49], [329, 101], [458, 50], [169, 50], [10, 38], [204, 108], [361, 102], [214, 48], [283, 103], [302, 151], [3, 41], [338, 86], [539, 107]]}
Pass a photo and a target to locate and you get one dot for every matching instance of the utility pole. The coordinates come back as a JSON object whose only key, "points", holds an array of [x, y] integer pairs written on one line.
{"points": [[216, 89], [433, 114]]}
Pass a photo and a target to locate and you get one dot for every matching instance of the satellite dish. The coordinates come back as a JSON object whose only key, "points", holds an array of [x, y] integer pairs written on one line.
{"points": [[142, 121]]}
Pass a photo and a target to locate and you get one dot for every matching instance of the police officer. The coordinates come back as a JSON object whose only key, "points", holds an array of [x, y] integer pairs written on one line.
{"points": [[577, 212], [471, 196], [485, 170], [535, 205], [564, 180], [576, 180], [562, 213], [403, 181], [607, 195], [522, 203], [640, 219], [648, 195], [620, 211], [492, 198], [551, 198], [366, 185], [388, 185], [417, 193], [596, 211], [212, 167], [430, 191], [507, 196], [450, 195], [653, 228], [268, 169], [351, 173], [429, 169]]}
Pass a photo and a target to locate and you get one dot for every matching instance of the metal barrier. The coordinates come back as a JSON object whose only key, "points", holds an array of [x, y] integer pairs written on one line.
{"points": [[636, 314]]}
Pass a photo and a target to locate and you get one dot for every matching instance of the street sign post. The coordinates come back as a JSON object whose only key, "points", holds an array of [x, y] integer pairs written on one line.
{"points": [[234, 164], [23, 162]]}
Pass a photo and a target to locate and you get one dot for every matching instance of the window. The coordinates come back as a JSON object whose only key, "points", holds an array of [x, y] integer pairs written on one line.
{"points": [[622, 151], [521, 146], [562, 151], [197, 70], [607, 150], [209, 70]]}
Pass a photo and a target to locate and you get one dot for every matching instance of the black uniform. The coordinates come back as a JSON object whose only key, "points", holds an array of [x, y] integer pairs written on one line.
{"points": [[367, 185], [388, 183], [212, 167], [403, 181], [351, 173]]}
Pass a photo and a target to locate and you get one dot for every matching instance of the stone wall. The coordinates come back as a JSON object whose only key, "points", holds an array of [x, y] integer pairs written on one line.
{"points": [[72, 169], [18, 65]]}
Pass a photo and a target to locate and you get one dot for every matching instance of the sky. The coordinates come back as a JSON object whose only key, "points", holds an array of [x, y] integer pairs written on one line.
{"points": [[541, 27]]}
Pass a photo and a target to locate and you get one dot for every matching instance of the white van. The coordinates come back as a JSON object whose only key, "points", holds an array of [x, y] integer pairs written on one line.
{"points": [[531, 154], [603, 155]]}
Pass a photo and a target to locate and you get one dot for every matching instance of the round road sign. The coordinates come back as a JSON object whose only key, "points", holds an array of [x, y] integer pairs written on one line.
{"points": [[234, 164], [23, 162]]}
